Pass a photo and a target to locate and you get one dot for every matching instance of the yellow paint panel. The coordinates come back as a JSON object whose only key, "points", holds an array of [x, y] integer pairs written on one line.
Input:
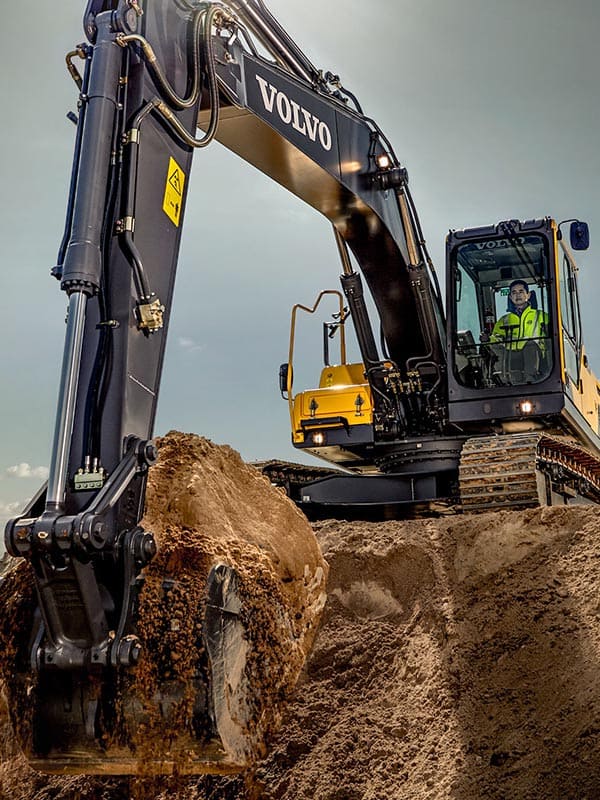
{"points": [[329, 403], [342, 375], [335, 402], [173, 199]]}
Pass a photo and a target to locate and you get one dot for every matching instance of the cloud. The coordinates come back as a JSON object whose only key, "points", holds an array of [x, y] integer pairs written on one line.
{"points": [[189, 345], [25, 470], [8, 510]]}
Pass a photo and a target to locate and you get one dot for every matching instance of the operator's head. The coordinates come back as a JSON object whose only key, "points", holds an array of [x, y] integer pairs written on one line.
{"points": [[519, 294]]}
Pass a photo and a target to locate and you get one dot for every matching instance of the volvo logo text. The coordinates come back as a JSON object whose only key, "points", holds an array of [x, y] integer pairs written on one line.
{"points": [[291, 113], [496, 244]]}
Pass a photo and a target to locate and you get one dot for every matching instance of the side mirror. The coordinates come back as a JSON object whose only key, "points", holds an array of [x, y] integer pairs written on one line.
{"points": [[284, 374], [579, 235]]}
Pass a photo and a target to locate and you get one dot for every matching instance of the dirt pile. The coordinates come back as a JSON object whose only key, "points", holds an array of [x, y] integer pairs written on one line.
{"points": [[217, 522], [457, 659]]}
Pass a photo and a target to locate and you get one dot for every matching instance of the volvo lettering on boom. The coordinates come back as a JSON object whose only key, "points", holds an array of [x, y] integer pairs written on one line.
{"points": [[291, 113]]}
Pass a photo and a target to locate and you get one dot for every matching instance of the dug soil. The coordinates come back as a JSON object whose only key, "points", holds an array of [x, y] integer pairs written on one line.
{"points": [[456, 658]]}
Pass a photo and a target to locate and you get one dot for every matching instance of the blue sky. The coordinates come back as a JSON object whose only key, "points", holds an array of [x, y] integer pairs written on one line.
{"points": [[493, 107]]}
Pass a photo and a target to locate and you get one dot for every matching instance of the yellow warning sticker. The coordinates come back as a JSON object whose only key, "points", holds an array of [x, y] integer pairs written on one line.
{"points": [[173, 199]]}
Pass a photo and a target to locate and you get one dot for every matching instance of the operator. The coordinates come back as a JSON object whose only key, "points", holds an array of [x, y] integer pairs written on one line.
{"points": [[522, 333], [522, 324]]}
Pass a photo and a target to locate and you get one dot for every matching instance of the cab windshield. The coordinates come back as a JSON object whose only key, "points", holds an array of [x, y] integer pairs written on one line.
{"points": [[502, 312]]}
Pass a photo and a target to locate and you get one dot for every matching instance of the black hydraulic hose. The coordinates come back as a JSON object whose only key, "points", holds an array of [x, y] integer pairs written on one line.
{"points": [[157, 71], [396, 407], [179, 130], [334, 80], [352, 97], [411, 363], [157, 104], [141, 281], [437, 381], [248, 39], [384, 139], [102, 394], [203, 17], [160, 105], [213, 90], [100, 387], [414, 216]]}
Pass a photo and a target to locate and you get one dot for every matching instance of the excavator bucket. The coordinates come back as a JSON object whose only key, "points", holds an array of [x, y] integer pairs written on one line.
{"points": [[226, 616]]}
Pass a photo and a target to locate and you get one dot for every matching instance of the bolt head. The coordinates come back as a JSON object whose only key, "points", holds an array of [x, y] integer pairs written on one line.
{"points": [[151, 453], [145, 547], [130, 650], [98, 531], [136, 652]]}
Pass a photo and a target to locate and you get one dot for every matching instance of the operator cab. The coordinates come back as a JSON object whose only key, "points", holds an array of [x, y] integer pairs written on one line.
{"points": [[503, 313], [515, 349]]}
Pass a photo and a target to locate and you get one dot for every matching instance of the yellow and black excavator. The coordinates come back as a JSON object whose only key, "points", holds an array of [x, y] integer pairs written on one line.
{"points": [[502, 413], [434, 410]]}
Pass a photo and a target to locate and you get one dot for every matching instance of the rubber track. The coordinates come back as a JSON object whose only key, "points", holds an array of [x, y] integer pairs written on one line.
{"points": [[507, 471]]}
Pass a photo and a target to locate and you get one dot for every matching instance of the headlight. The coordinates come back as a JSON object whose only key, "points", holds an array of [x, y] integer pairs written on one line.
{"points": [[526, 407]]}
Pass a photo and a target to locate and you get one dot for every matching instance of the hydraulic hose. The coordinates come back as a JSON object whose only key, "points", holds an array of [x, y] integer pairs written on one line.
{"points": [[213, 91], [159, 105], [141, 281], [205, 18], [157, 71]]}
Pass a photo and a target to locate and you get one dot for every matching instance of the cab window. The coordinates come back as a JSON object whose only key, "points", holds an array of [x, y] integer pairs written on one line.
{"points": [[569, 311], [502, 312]]}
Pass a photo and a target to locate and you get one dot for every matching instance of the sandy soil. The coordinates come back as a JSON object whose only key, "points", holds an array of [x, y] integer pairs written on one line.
{"points": [[457, 658]]}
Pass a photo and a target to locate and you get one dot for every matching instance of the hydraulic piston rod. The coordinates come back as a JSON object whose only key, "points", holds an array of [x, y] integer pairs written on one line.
{"points": [[65, 415], [266, 27]]}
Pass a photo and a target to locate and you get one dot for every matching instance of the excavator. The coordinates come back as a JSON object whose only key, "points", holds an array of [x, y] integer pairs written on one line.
{"points": [[435, 410], [484, 415]]}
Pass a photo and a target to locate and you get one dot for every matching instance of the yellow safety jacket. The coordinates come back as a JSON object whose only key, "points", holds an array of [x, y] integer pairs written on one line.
{"points": [[514, 331]]}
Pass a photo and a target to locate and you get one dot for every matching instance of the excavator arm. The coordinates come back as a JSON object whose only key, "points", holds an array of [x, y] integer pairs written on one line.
{"points": [[85, 543], [152, 73]]}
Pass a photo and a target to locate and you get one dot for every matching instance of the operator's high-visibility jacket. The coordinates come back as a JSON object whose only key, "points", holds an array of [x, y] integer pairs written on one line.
{"points": [[514, 330]]}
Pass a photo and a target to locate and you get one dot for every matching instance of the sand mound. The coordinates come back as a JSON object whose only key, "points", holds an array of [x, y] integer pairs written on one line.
{"points": [[457, 659], [207, 510]]}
